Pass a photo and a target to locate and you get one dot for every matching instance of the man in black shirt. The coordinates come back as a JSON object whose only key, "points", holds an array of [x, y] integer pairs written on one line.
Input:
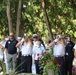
{"points": [[69, 55], [11, 51]]}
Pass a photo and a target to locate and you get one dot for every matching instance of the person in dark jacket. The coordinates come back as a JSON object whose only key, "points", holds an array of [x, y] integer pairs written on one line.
{"points": [[69, 55], [11, 52]]}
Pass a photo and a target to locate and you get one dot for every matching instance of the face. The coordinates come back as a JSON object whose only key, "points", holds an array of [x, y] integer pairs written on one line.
{"points": [[58, 37], [68, 39], [11, 36], [26, 39], [35, 39], [39, 43]]}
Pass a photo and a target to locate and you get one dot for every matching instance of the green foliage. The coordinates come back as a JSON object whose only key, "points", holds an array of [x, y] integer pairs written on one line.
{"points": [[61, 13], [48, 62]]}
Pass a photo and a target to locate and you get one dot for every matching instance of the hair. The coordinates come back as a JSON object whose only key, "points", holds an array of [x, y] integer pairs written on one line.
{"points": [[28, 40]]}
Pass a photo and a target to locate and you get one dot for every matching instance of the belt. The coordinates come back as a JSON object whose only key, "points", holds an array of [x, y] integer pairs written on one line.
{"points": [[59, 56], [26, 55]]}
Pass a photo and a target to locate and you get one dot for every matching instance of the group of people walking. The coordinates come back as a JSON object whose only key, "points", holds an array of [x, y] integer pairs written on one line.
{"points": [[24, 52]]}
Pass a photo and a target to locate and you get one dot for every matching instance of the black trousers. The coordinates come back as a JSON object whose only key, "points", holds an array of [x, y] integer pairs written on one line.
{"points": [[68, 65], [18, 63], [26, 62], [61, 60], [37, 66]]}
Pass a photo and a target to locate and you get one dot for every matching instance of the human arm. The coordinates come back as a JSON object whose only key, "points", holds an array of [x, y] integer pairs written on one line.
{"points": [[18, 44], [52, 43], [63, 42]]}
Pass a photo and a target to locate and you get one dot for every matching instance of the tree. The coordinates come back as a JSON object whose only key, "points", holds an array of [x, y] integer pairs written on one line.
{"points": [[9, 16], [47, 20], [19, 15], [57, 16]]}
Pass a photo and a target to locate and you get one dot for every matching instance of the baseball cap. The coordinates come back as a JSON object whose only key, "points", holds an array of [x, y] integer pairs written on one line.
{"points": [[35, 35], [25, 34], [19, 38]]}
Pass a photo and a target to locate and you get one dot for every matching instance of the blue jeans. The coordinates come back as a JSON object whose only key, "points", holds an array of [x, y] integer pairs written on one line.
{"points": [[61, 60]]}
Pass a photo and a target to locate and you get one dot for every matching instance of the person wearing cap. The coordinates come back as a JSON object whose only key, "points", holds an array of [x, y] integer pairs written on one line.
{"points": [[59, 51], [11, 51], [26, 54], [35, 41], [38, 52], [69, 55]]}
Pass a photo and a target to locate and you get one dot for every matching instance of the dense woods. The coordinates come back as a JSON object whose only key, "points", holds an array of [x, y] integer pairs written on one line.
{"points": [[44, 17]]}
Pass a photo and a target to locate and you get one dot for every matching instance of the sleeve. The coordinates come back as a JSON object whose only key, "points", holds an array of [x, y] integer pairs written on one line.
{"points": [[74, 47], [16, 41], [34, 50], [43, 50]]}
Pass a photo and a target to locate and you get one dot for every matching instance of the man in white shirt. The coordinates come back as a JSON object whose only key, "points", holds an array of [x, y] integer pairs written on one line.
{"points": [[59, 51]]}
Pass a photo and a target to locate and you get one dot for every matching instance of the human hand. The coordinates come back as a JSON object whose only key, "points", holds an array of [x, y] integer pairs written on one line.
{"points": [[56, 40], [22, 40]]}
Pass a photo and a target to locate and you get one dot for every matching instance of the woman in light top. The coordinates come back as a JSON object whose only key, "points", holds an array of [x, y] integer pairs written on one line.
{"points": [[26, 54], [39, 50]]}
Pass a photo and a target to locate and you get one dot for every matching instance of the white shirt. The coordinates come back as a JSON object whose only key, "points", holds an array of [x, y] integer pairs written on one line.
{"points": [[20, 46], [59, 50], [74, 47], [26, 49], [1, 52], [38, 51], [34, 44]]}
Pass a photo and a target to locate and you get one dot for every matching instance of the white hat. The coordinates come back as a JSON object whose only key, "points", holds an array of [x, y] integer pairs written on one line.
{"points": [[35, 35], [19, 38], [25, 34], [60, 36], [6, 39]]}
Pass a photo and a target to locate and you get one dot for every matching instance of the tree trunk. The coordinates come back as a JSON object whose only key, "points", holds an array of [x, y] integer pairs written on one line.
{"points": [[19, 15], [47, 19], [9, 17]]}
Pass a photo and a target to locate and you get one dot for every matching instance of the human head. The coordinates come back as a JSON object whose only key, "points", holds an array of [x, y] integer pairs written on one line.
{"points": [[39, 43], [35, 37], [6, 39], [68, 39], [27, 39], [11, 35], [25, 35], [19, 38], [59, 36]]}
